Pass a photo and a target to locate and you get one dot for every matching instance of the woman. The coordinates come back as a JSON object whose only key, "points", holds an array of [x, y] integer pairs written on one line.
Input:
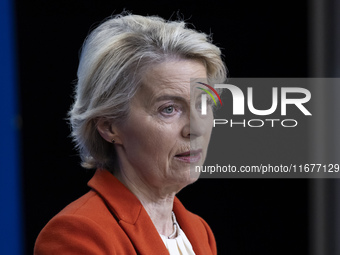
{"points": [[137, 120]]}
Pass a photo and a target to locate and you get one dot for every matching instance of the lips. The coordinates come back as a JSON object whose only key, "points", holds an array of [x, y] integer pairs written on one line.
{"points": [[191, 156]]}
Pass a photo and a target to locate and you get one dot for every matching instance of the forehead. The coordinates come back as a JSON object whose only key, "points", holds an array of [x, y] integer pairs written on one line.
{"points": [[172, 77]]}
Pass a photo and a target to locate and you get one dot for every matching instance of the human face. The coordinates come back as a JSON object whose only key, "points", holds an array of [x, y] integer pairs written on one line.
{"points": [[164, 133]]}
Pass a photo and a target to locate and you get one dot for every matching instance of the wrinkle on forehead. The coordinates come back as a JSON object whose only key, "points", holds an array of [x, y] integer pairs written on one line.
{"points": [[171, 77]]}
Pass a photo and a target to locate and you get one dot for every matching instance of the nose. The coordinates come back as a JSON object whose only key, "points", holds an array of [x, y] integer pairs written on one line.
{"points": [[195, 125]]}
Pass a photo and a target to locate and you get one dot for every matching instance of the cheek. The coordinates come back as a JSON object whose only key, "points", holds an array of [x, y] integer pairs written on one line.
{"points": [[137, 140], [147, 139]]}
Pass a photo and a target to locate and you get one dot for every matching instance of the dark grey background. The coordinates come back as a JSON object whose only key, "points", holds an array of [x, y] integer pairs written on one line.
{"points": [[241, 145]]}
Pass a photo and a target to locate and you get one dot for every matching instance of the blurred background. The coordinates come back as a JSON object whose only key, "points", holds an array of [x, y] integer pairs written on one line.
{"points": [[39, 168]]}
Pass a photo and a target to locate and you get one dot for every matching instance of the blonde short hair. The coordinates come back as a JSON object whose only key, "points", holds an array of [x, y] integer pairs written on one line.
{"points": [[113, 59]]}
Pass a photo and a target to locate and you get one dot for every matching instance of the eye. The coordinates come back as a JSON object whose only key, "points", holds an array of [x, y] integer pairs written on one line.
{"points": [[169, 109], [209, 101]]}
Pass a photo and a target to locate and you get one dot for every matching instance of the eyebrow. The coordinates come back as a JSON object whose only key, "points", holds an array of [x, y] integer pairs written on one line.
{"points": [[175, 98], [170, 97]]}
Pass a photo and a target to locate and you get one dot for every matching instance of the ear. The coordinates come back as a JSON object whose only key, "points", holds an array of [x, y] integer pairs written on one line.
{"points": [[106, 130]]}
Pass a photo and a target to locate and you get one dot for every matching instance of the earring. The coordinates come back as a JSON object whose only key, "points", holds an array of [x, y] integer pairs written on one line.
{"points": [[113, 140]]}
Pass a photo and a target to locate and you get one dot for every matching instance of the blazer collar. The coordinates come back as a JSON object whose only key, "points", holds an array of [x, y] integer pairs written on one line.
{"points": [[118, 198], [135, 221], [131, 215]]}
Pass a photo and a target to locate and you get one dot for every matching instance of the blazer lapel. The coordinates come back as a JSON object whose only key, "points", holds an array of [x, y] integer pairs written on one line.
{"points": [[129, 212], [144, 236], [193, 228]]}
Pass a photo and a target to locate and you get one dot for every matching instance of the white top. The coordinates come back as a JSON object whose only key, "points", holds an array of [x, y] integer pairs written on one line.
{"points": [[179, 245]]}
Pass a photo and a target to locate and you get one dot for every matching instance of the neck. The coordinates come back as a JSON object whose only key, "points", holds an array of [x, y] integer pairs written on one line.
{"points": [[158, 202]]}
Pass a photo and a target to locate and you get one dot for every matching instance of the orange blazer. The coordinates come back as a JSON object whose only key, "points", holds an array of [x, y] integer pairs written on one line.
{"points": [[110, 219]]}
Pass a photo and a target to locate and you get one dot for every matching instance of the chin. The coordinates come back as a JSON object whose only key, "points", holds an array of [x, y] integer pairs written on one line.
{"points": [[190, 176]]}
